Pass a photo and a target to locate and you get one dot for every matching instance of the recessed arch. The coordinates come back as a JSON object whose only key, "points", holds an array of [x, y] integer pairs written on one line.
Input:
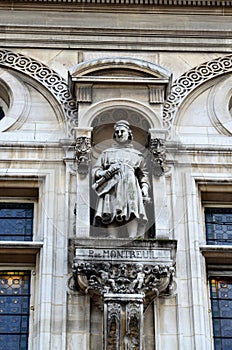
{"points": [[88, 119], [49, 79], [103, 115], [189, 82]]}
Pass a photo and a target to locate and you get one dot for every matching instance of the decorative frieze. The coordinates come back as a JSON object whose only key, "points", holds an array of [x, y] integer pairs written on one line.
{"points": [[138, 267], [141, 2]]}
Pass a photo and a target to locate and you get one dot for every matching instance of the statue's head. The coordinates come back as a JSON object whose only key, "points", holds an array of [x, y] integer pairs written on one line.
{"points": [[122, 132]]}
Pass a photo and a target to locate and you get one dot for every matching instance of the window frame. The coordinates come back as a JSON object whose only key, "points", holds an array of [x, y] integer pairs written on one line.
{"points": [[214, 206], [215, 271], [32, 310]]}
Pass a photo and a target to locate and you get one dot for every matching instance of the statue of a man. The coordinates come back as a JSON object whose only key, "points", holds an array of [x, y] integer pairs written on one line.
{"points": [[121, 183]]}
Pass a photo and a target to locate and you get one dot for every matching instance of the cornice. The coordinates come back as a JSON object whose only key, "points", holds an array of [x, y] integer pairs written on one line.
{"points": [[137, 3]]}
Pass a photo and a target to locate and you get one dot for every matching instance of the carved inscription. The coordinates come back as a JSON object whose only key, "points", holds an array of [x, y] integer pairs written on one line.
{"points": [[124, 254]]}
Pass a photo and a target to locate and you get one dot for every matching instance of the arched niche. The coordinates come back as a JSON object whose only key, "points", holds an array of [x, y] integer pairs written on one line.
{"points": [[111, 89], [103, 124], [102, 137]]}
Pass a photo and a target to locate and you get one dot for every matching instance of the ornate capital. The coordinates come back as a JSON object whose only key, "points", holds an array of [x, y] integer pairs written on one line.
{"points": [[101, 278], [83, 153], [158, 150]]}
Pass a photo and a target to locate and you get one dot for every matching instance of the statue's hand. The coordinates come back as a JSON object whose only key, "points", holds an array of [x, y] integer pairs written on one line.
{"points": [[101, 173], [114, 168], [107, 174], [145, 191], [146, 198]]}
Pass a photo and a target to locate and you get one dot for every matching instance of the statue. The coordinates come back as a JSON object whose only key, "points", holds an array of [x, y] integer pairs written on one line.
{"points": [[121, 182]]}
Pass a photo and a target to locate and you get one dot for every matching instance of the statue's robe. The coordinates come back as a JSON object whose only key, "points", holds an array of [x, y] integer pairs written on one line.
{"points": [[120, 197]]}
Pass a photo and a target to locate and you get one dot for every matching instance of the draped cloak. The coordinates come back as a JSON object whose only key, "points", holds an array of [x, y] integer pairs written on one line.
{"points": [[120, 197]]}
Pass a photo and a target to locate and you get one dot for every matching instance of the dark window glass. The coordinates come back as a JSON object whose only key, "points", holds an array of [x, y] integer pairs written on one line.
{"points": [[14, 310], [221, 303], [16, 221], [218, 223]]}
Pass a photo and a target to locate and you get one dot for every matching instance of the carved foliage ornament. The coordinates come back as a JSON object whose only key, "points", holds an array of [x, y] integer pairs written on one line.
{"points": [[83, 150], [158, 150], [123, 278]]}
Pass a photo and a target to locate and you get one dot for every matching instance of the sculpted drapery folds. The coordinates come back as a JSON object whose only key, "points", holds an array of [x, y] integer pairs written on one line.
{"points": [[121, 182]]}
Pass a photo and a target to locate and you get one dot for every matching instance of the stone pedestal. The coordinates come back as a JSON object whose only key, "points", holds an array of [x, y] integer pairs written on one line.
{"points": [[123, 277]]}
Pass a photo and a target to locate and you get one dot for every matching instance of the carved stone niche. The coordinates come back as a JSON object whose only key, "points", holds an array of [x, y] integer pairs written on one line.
{"points": [[123, 280]]}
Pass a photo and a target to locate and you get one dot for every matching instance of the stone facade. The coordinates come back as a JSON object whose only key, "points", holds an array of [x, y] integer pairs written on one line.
{"points": [[68, 71]]}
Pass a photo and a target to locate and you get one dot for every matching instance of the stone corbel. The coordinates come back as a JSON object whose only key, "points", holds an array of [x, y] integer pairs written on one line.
{"points": [[122, 281], [123, 290], [156, 145], [101, 278], [156, 94], [83, 149]]}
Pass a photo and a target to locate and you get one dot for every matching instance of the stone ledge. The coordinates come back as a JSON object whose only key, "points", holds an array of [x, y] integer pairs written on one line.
{"points": [[217, 254], [146, 3], [19, 252]]}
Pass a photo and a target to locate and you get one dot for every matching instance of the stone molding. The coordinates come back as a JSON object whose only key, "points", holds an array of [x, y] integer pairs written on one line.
{"points": [[185, 3], [190, 81], [44, 75], [137, 267]]}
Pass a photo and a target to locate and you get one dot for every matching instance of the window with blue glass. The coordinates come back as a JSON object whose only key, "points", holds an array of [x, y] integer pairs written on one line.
{"points": [[14, 310], [221, 303], [218, 226], [16, 221]]}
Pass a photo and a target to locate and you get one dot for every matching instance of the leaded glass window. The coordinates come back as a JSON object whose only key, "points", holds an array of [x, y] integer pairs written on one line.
{"points": [[16, 221], [218, 226], [221, 302], [14, 310]]}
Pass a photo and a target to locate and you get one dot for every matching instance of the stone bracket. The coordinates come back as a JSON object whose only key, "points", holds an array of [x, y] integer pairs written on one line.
{"points": [[83, 150], [157, 147], [123, 277]]}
